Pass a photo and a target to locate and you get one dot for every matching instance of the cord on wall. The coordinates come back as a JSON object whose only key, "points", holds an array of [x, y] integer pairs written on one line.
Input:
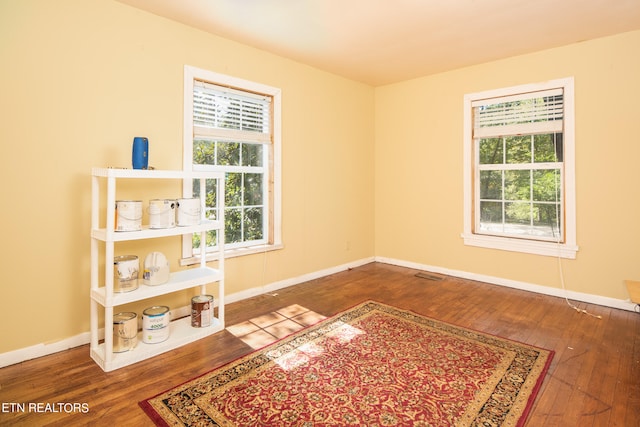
{"points": [[558, 239], [569, 303]]}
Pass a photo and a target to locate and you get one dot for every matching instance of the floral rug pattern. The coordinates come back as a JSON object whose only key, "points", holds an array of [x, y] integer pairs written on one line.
{"points": [[372, 365]]}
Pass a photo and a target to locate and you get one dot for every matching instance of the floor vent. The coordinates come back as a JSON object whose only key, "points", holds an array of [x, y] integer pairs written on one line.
{"points": [[429, 276]]}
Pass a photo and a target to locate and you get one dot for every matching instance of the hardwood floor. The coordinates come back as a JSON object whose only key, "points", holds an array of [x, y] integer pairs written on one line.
{"points": [[594, 379]]}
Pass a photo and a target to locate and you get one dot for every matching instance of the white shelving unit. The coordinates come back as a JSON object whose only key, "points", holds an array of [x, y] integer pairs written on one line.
{"points": [[104, 298]]}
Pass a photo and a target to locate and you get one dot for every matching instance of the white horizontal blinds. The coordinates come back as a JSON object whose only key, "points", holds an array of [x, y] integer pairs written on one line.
{"points": [[231, 114], [526, 113]]}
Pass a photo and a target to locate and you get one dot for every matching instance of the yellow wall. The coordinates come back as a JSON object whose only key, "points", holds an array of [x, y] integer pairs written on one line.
{"points": [[80, 79], [419, 175]]}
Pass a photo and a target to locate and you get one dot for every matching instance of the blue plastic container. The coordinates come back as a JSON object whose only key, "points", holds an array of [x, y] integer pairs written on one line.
{"points": [[140, 155]]}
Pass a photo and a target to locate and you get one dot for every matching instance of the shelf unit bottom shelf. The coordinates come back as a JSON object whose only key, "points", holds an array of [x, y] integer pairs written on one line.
{"points": [[180, 333]]}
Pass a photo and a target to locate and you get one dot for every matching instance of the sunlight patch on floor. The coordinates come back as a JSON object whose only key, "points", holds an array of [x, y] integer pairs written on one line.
{"points": [[263, 330]]}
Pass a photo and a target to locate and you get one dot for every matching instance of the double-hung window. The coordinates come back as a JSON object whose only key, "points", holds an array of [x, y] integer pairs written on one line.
{"points": [[519, 169], [233, 125]]}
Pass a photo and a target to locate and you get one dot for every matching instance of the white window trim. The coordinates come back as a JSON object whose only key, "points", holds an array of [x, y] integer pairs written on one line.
{"points": [[566, 249], [192, 73]]}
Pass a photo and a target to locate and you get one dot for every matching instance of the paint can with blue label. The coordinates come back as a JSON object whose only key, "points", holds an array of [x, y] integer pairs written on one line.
{"points": [[155, 324]]}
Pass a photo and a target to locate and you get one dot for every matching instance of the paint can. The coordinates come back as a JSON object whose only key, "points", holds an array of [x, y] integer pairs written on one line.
{"points": [[125, 331], [188, 212], [128, 215], [162, 213], [125, 273], [201, 311], [155, 324]]}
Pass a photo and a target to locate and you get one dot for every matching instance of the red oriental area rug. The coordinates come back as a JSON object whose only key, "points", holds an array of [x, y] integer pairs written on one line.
{"points": [[372, 365]]}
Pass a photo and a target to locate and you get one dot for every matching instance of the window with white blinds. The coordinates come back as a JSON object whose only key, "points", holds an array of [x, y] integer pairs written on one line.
{"points": [[231, 113], [233, 125], [519, 169], [535, 112]]}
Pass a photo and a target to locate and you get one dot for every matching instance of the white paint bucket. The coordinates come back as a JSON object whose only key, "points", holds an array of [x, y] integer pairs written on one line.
{"points": [[201, 311], [125, 331], [155, 324], [188, 212], [162, 213], [125, 273], [128, 215]]}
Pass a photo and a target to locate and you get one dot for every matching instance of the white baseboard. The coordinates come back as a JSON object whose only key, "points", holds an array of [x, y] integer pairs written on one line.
{"points": [[545, 290], [272, 287], [39, 350]]}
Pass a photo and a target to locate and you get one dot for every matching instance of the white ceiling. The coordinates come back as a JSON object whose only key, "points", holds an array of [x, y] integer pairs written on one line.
{"points": [[385, 41]]}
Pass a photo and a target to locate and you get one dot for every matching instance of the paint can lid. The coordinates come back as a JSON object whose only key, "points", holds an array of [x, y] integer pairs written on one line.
{"points": [[123, 258], [123, 317], [157, 310], [202, 298]]}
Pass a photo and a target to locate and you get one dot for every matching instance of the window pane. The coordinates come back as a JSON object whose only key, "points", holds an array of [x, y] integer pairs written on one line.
{"points": [[537, 109], [228, 154], [490, 213], [210, 213], [491, 185], [517, 185], [517, 213], [253, 223], [548, 148], [491, 151], [210, 198], [204, 152], [252, 154], [231, 113], [546, 185], [547, 217], [255, 116], [233, 190], [252, 189], [233, 225], [518, 149], [211, 237]]}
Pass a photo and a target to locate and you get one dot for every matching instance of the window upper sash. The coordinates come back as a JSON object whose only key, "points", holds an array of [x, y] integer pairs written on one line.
{"points": [[226, 113], [520, 114]]}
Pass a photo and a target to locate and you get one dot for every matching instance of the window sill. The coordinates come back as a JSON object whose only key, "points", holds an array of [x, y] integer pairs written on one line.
{"points": [[232, 253], [558, 250]]}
